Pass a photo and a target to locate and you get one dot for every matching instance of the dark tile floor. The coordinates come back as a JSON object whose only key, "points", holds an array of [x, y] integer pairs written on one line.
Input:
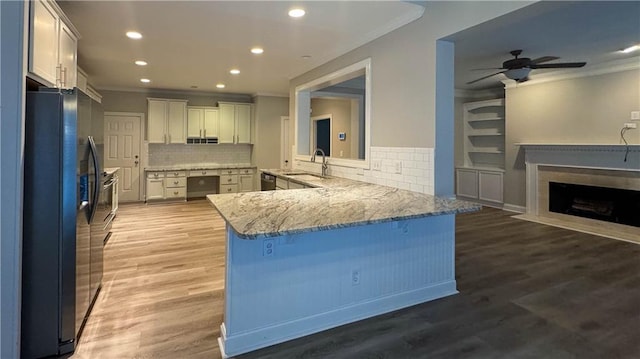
{"points": [[526, 291]]}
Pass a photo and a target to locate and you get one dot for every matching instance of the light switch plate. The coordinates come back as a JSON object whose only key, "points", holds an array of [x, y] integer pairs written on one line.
{"points": [[635, 115], [377, 165], [398, 167]]}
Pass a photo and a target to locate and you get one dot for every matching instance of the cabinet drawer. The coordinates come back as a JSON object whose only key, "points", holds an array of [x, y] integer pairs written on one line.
{"points": [[175, 192], [228, 171], [175, 182], [282, 183], [173, 174], [228, 188], [247, 171], [155, 174], [200, 173], [228, 179]]}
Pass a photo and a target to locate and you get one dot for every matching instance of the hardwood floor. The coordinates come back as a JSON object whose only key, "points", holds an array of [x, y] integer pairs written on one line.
{"points": [[163, 285], [526, 291]]}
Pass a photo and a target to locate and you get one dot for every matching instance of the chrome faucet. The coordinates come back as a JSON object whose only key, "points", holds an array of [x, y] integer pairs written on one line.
{"points": [[324, 160]]}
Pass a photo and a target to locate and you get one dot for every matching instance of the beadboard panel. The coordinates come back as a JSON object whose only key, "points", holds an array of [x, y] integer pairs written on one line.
{"points": [[307, 284]]}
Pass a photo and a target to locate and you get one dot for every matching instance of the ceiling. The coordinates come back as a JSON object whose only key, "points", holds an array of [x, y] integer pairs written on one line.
{"points": [[192, 45], [574, 31]]}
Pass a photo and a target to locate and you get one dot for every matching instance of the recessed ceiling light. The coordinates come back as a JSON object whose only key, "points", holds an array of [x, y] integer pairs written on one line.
{"points": [[306, 57], [146, 81], [141, 63], [257, 50], [630, 49], [220, 86], [134, 35], [234, 71], [296, 12]]}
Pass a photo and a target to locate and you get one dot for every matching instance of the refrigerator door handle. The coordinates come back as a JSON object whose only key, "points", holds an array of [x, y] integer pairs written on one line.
{"points": [[82, 205], [96, 171]]}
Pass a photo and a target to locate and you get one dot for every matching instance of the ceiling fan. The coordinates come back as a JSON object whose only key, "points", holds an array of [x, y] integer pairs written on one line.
{"points": [[518, 68]]}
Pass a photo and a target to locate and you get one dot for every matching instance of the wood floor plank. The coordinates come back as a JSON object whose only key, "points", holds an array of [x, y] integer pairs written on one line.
{"points": [[526, 290]]}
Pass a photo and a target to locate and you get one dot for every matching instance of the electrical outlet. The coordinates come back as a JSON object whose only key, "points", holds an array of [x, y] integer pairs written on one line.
{"points": [[377, 165], [398, 167], [635, 115], [355, 277], [268, 247], [630, 125]]}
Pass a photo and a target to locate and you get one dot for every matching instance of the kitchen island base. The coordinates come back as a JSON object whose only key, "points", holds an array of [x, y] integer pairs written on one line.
{"points": [[285, 287]]}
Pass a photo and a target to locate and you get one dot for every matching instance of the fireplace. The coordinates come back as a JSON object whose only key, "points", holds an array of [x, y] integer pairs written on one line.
{"points": [[593, 188], [614, 205]]}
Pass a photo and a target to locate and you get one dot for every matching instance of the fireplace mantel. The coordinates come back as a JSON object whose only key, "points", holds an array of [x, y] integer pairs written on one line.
{"points": [[598, 157]]}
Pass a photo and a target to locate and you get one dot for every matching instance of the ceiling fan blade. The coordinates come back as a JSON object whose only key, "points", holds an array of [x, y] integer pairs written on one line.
{"points": [[560, 65], [485, 77], [544, 59], [489, 68]]}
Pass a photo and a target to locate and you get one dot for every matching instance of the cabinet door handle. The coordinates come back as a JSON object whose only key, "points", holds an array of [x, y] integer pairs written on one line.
{"points": [[176, 182], [64, 76], [176, 192], [204, 172], [205, 132], [175, 174], [229, 189], [200, 133], [229, 180]]}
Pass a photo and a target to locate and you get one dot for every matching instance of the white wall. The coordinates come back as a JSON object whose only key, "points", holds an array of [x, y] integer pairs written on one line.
{"points": [[581, 110]]}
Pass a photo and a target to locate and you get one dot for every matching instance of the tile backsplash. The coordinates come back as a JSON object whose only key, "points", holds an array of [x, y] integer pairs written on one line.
{"points": [[407, 168], [179, 154]]}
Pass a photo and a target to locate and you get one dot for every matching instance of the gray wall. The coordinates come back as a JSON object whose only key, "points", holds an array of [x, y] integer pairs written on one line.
{"points": [[403, 65], [12, 72], [266, 147], [581, 110]]}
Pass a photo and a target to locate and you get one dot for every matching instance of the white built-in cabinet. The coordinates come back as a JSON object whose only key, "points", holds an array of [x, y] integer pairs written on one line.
{"points": [[202, 122], [53, 45], [166, 121], [481, 176], [235, 122]]}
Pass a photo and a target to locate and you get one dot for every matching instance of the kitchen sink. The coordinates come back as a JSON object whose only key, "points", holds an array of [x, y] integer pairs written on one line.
{"points": [[306, 176]]}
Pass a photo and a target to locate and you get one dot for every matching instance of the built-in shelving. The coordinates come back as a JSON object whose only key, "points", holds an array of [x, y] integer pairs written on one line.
{"points": [[484, 134], [481, 176]]}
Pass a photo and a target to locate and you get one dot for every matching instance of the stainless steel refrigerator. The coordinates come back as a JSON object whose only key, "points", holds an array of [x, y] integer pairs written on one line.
{"points": [[62, 260]]}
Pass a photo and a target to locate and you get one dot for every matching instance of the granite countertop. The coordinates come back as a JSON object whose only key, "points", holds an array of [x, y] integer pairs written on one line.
{"points": [[334, 203], [198, 166], [111, 170]]}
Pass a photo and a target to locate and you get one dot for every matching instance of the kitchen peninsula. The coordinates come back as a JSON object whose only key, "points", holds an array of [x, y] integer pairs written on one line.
{"points": [[304, 260]]}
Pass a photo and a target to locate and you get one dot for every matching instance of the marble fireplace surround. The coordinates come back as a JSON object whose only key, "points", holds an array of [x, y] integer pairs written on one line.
{"points": [[586, 164]]}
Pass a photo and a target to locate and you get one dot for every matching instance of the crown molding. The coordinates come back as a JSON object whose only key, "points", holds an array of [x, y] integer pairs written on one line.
{"points": [[176, 92], [270, 94], [473, 94], [599, 69]]}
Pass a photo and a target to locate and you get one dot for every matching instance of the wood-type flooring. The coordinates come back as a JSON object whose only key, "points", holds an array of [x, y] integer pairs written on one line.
{"points": [[526, 291]]}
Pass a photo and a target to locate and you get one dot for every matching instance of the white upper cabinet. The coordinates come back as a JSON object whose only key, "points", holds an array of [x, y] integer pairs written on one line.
{"points": [[202, 122], [53, 44], [235, 122], [166, 121]]}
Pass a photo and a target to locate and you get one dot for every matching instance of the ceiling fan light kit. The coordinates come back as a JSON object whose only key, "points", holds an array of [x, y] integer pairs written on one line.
{"points": [[519, 68]]}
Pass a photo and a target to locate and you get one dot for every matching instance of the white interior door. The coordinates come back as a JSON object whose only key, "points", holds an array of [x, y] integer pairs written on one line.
{"points": [[285, 150], [122, 149]]}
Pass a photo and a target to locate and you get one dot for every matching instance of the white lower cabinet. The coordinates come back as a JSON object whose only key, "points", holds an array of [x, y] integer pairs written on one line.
{"points": [[155, 189], [480, 184]]}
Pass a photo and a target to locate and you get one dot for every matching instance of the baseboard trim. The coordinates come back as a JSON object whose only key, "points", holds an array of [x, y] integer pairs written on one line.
{"points": [[514, 208], [259, 338]]}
